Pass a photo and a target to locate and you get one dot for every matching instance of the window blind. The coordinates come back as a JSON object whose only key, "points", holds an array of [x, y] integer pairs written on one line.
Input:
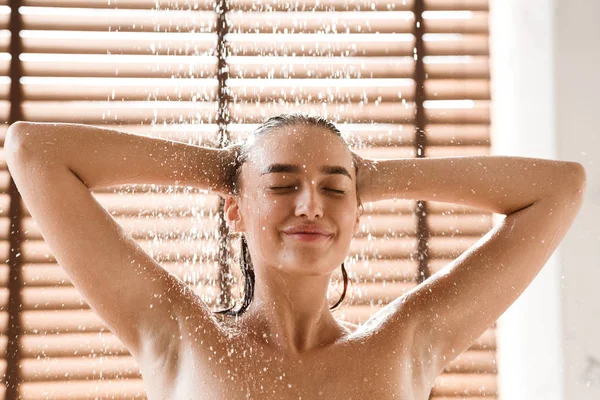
{"points": [[401, 78]]}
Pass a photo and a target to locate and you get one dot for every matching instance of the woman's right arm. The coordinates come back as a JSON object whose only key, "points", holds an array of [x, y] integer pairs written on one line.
{"points": [[102, 157], [140, 301]]}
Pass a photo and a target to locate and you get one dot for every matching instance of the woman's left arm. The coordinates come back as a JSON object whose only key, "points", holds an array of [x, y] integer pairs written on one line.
{"points": [[499, 184], [456, 305]]}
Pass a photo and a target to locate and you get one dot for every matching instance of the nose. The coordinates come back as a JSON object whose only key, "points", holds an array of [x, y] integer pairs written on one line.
{"points": [[309, 202]]}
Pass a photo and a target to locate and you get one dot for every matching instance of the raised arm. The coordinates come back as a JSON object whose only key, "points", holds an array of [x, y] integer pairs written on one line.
{"points": [[102, 157], [54, 166], [455, 306]]}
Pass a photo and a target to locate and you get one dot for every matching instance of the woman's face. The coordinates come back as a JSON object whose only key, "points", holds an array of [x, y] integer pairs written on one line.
{"points": [[293, 176]]}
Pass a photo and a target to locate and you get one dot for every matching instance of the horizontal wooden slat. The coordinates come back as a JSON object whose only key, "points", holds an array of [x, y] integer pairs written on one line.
{"points": [[78, 42], [69, 298], [122, 20], [116, 389], [474, 361], [438, 207], [331, 90], [275, 67], [453, 151], [456, 225], [5, 12], [251, 44], [457, 67], [4, 41], [474, 384], [118, 89], [382, 270], [43, 275], [116, 65], [169, 111], [144, 204], [319, 5], [397, 112], [133, 4], [359, 44], [367, 293], [458, 135], [459, 112], [4, 111], [474, 5], [4, 88], [130, 112], [326, 23], [53, 322], [457, 89], [389, 225], [455, 22], [83, 344], [47, 369], [188, 90], [452, 44], [234, 5], [450, 247], [59, 321], [356, 66]]}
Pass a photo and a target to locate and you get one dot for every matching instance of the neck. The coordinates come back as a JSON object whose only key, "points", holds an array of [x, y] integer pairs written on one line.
{"points": [[290, 312]]}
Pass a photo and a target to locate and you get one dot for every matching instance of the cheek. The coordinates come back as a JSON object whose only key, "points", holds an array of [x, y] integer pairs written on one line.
{"points": [[268, 217], [346, 214]]}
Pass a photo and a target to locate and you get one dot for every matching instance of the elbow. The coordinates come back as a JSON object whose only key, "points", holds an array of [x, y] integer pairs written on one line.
{"points": [[19, 126], [21, 129], [577, 175], [16, 139], [13, 138]]}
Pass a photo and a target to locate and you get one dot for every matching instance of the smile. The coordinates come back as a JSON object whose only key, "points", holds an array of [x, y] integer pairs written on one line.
{"points": [[308, 237]]}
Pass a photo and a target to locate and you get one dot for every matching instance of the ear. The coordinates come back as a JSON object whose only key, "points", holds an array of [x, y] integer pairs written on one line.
{"points": [[233, 216]]}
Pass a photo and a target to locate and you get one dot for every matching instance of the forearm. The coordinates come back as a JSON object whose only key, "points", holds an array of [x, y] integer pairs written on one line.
{"points": [[499, 184], [105, 157]]}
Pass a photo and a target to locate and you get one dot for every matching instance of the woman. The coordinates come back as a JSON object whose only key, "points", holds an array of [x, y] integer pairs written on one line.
{"points": [[293, 192]]}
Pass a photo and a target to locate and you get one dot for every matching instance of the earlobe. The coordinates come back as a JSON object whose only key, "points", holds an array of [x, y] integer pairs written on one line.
{"points": [[233, 216]]}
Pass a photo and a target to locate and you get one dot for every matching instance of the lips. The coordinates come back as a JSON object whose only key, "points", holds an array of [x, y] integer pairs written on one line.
{"points": [[308, 229]]}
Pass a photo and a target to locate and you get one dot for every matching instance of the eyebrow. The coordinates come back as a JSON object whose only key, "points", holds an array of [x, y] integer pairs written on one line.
{"points": [[326, 169]]}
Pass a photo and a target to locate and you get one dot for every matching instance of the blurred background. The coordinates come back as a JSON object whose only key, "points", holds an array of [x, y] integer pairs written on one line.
{"points": [[401, 78]]}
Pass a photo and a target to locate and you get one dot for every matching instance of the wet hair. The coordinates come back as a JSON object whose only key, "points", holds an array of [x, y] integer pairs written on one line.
{"points": [[275, 122]]}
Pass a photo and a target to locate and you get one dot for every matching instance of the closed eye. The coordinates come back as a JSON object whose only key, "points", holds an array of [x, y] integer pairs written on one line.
{"points": [[291, 187]]}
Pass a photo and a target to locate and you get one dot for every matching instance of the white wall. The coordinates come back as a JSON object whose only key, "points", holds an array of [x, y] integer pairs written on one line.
{"points": [[545, 76], [577, 83]]}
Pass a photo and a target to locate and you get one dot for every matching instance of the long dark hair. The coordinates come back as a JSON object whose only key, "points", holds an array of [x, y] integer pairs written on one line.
{"points": [[278, 121]]}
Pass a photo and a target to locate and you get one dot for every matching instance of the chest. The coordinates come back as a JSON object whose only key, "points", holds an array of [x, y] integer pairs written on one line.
{"points": [[248, 371]]}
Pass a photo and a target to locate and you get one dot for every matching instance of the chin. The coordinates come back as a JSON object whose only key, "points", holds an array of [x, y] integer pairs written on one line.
{"points": [[307, 268]]}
